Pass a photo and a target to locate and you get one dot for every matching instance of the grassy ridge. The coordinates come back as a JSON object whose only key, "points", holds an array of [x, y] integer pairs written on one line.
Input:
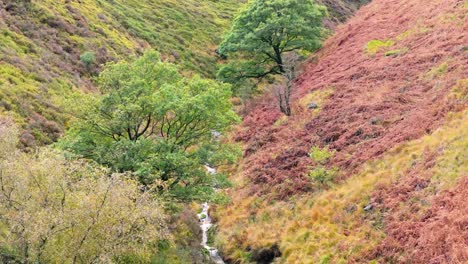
{"points": [[185, 32]]}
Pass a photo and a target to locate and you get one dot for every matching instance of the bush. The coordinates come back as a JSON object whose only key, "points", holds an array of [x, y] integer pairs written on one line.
{"points": [[59, 211], [319, 155], [322, 176], [88, 58]]}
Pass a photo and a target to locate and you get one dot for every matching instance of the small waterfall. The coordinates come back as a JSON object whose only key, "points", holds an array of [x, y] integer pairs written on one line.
{"points": [[205, 224]]}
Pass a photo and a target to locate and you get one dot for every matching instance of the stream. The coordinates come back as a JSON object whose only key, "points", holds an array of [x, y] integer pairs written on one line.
{"points": [[205, 224]]}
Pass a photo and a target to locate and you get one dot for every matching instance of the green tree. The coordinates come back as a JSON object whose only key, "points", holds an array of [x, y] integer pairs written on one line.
{"points": [[155, 123], [264, 32]]}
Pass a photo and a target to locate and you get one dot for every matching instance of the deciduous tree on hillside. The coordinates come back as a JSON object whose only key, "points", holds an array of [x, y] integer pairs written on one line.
{"points": [[155, 123], [283, 90], [264, 32]]}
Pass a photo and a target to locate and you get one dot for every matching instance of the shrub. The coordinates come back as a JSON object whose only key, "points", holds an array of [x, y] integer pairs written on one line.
{"points": [[88, 58], [319, 155], [59, 211], [323, 176]]}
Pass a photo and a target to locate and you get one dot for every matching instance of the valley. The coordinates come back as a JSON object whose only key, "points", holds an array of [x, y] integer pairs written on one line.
{"points": [[338, 130]]}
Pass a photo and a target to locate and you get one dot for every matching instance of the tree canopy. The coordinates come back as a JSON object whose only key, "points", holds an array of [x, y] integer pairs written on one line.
{"points": [[267, 29], [154, 122]]}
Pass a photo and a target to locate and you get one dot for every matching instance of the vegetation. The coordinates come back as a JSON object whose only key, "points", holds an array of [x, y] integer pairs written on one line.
{"points": [[320, 156], [110, 122], [56, 210], [156, 124], [397, 52], [333, 224], [320, 175], [283, 91], [41, 43], [397, 130], [88, 59], [264, 32], [374, 46]]}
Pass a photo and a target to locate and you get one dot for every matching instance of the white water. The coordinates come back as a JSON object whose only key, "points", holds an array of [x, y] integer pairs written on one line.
{"points": [[206, 223]]}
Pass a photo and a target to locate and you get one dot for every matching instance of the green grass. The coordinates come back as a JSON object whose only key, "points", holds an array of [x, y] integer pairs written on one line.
{"points": [[396, 52], [437, 71], [375, 46]]}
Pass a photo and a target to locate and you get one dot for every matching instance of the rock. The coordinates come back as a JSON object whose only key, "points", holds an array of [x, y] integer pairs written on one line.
{"points": [[375, 120], [215, 134], [368, 207], [358, 132], [312, 105], [266, 255], [102, 17], [176, 55]]}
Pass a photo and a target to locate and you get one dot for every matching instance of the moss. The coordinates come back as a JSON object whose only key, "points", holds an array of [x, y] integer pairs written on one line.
{"points": [[437, 71], [396, 52], [375, 46]]}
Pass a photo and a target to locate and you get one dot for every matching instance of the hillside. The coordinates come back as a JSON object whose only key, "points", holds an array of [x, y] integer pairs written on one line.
{"points": [[43, 48], [377, 171], [51, 50], [118, 145], [108, 114]]}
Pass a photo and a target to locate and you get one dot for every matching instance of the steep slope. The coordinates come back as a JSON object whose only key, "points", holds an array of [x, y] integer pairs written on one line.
{"points": [[341, 10], [51, 49], [370, 188]]}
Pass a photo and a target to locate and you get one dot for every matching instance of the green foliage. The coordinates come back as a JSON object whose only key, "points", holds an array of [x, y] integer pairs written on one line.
{"points": [[59, 211], [437, 71], [320, 175], [325, 259], [323, 176], [320, 155], [397, 52], [184, 31], [40, 41], [156, 124], [374, 46], [239, 73], [266, 30], [88, 59]]}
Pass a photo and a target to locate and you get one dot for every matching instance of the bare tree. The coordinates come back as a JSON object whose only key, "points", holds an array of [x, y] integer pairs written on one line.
{"points": [[283, 91]]}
